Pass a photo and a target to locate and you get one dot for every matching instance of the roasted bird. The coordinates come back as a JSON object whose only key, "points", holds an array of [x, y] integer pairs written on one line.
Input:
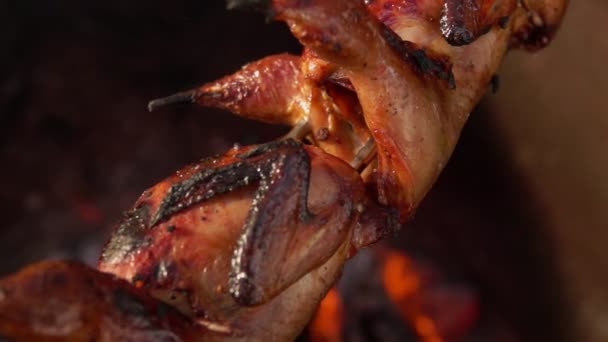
{"points": [[247, 242], [245, 245], [60, 301]]}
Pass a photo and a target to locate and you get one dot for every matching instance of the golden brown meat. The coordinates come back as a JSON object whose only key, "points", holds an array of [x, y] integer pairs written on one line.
{"points": [[415, 89], [406, 73], [66, 301], [245, 243]]}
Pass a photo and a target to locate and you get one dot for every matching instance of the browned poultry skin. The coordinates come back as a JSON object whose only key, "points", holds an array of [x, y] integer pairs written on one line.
{"points": [[247, 244], [410, 72], [188, 258], [414, 115], [66, 301], [288, 90]]}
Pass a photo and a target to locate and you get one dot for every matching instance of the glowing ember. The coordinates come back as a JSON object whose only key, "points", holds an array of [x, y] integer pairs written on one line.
{"points": [[393, 295], [327, 324], [400, 280], [402, 284]]}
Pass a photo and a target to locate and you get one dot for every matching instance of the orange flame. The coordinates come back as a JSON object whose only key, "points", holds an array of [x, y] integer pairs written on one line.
{"points": [[327, 323], [403, 284], [420, 298]]}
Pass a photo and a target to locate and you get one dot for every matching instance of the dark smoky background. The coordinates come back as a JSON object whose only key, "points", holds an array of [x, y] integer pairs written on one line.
{"points": [[78, 146]]}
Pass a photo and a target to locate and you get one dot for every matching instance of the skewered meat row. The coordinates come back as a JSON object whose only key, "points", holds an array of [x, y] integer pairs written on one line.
{"points": [[244, 246]]}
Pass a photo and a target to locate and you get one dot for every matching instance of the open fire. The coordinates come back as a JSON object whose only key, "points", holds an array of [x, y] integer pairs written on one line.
{"points": [[385, 294], [420, 303]]}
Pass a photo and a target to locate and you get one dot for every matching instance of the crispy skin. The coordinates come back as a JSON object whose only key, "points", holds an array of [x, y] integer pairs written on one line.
{"points": [[460, 21], [188, 257], [396, 57], [288, 90], [405, 73], [247, 244], [412, 112], [59, 301], [247, 93]]}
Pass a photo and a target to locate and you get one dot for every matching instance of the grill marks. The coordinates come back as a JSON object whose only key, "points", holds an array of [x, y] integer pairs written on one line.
{"points": [[287, 172], [204, 185]]}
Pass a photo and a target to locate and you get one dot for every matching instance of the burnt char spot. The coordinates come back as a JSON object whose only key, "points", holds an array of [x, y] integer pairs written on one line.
{"points": [[458, 22], [286, 170], [244, 292], [128, 304], [170, 228], [432, 66], [129, 236], [204, 185], [269, 147], [424, 63], [457, 35]]}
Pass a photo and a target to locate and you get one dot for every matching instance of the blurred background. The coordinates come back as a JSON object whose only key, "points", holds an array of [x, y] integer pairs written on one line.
{"points": [[518, 216]]}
